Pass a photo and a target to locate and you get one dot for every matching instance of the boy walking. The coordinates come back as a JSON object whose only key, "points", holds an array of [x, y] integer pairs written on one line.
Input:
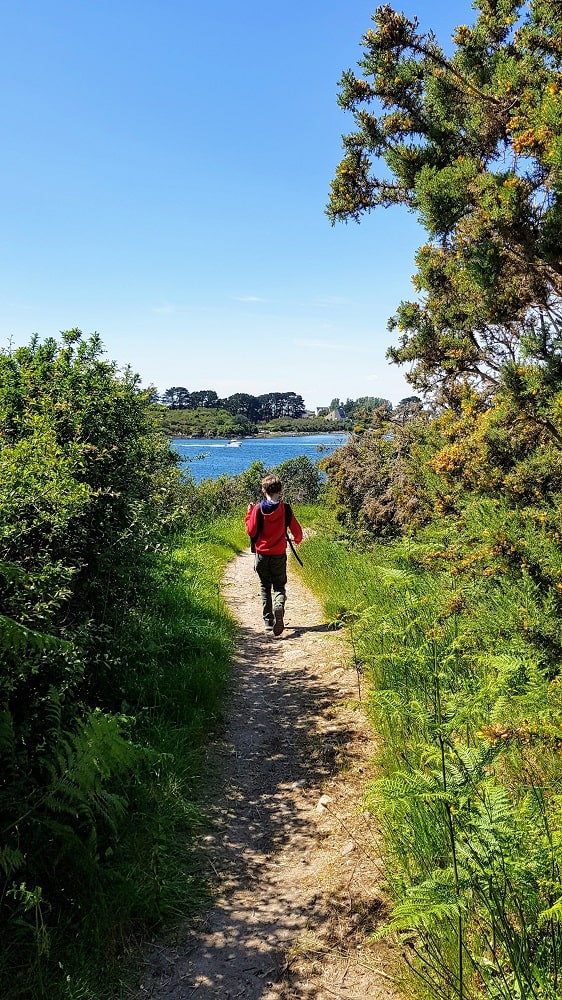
{"points": [[267, 524]]}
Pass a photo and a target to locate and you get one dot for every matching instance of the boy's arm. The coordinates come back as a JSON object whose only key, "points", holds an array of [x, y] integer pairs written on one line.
{"points": [[296, 530], [251, 518]]}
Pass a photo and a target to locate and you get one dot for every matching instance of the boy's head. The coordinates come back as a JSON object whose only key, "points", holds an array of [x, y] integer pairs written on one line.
{"points": [[271, 487]]}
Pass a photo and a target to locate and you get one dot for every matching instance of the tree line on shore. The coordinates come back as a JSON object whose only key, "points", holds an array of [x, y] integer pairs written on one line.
{"points": [[203, 414], [253, 408], [260, 409]]}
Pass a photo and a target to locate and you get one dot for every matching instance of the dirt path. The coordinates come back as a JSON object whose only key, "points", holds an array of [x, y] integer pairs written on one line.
{"points": [[294, 858]]}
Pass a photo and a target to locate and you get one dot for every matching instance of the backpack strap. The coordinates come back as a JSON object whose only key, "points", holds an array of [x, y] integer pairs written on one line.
{"points": [[288, 516]]}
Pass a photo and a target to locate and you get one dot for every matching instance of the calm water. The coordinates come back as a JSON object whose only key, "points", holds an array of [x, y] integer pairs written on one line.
{"points": [[221, 457]]}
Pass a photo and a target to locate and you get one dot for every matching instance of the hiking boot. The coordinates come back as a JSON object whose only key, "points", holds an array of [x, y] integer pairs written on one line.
{"points": [[279, 623]]}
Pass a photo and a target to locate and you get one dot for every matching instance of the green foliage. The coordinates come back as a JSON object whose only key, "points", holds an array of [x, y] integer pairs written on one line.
{"points": [[210, 498], [249, 409], [466, 698], [114, 649], [98, 845], [112, 661], [365, 405], [301, 479], [202, 422], [471, 144], [463, 645], [213, 422], [304, 425], [202, 414], [377, 480]]}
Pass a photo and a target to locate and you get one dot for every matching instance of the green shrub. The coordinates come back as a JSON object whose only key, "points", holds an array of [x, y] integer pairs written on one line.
{"points": [[88, 490]]}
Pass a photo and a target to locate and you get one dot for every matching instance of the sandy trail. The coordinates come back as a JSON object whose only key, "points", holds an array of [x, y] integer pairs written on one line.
{"points": [[293, 857]]}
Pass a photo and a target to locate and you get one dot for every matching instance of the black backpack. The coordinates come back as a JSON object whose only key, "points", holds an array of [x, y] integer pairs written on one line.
{"points": [[254, 538]]}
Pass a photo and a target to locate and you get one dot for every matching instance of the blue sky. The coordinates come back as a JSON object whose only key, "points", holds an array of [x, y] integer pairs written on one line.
{"points": [[165, 172]]}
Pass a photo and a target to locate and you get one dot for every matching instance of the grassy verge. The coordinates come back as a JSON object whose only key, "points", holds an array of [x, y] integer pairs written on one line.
{"points": [[470, 764]]}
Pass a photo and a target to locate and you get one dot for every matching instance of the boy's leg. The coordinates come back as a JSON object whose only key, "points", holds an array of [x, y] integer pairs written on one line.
{"points": [[262, 569], [278, 573]]}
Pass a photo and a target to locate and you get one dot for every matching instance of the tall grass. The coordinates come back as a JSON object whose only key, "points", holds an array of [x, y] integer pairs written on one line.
{"points": [[469, 793]]}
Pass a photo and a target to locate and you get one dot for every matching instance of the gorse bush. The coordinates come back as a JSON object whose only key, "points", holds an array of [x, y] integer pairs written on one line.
{"points": [[455, 616], [460, 630], [377, 479]]}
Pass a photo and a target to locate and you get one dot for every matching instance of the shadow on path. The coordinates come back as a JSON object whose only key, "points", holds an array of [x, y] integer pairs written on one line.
{"points": [[267, 772], [297, 630]]}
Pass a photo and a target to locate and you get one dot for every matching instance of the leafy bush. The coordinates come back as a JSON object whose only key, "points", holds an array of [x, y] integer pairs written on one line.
{"points": [[301, 479], [379, 480], [88, 487], [210, 498]]}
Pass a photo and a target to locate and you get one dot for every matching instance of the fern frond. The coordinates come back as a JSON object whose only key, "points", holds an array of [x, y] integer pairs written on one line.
{"points": [[496, 810], [411, 785], [17, 638], [10, 860], [437, 899], [465, 767], [52, 712], [392, 574], [492, 828], [553, 912], [84, 764]]}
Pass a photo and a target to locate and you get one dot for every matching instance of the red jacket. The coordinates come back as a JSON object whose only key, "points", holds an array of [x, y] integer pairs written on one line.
{"points": [[271, 540]]}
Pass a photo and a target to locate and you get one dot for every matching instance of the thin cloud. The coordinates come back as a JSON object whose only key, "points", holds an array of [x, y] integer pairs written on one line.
{"points": [[165, 310], [248, 298]]}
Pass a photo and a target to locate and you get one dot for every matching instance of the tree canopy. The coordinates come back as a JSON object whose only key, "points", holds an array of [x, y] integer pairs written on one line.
{"points": [[472, 143], [268, 406]]}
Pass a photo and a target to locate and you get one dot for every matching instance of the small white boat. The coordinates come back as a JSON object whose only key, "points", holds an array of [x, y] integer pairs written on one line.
{"points": [[233, 444]]}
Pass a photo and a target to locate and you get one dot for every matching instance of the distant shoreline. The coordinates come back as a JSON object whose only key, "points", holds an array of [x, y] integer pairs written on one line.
{"points": [[253, 437]]}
